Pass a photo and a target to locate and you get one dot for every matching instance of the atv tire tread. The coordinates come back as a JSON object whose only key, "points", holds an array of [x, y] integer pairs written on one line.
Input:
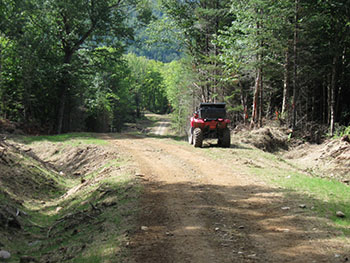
{"points": [[190, 136], [226, 138], [197, 137]]}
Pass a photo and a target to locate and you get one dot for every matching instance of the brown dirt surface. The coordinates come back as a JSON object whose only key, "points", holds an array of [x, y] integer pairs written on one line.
{"points": [[196, 207], [331, 159]]}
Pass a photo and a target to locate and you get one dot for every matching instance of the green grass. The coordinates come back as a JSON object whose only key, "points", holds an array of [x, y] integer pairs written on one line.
{"points": [[73, 139], [326, 196]]}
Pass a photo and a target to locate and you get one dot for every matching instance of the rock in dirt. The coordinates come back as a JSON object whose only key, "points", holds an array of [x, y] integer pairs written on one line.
{"points": [[144, 228], [4, 254], [346, 181], [285, 208], [302, 206], [340, 214]]}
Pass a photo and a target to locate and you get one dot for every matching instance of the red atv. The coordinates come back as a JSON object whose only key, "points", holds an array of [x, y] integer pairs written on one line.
{"points": [[209, 122]]}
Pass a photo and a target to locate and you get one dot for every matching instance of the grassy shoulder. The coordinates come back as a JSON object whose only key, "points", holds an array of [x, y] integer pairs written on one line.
{"points": [[80, 214], [322, 196], [72, 139]]}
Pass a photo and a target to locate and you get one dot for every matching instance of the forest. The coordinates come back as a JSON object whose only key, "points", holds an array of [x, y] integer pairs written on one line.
{"points": [[87, 65]]}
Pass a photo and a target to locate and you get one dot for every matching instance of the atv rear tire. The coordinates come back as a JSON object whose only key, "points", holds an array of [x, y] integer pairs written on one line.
{"points": [[190, 136], [226, 138], [197, 137]]}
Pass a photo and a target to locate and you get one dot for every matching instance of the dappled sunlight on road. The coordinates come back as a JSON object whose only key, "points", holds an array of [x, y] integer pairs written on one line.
{"points": [[199, 209]]}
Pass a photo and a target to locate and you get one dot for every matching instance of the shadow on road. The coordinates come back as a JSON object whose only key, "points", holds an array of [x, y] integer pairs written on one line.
{"points": [[242, 224]]}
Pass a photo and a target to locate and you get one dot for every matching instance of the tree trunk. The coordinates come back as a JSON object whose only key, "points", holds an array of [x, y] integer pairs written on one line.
{"points": [[244, 104], [313, 103], [286, 83], [137, 102], [329, 98], [64, 89], [256, 99], [261, 99], [324, 102], [62, 104], [2, 106], [332, 98], [295, 51], [256, 110]]}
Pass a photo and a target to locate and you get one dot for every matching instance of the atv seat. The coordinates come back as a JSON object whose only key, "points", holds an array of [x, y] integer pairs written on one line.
{"points": [[212, 111]]}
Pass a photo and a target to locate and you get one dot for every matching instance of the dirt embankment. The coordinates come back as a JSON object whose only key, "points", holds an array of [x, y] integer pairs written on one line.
{"points": [[64, 201], [330, 159]]}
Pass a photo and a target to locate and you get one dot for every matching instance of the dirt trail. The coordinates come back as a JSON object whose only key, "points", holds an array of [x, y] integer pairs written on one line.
{"points": [[195, 208]]}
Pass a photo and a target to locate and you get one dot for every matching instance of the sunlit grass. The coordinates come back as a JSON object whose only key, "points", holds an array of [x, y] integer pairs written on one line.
{"points": [[326, 196], [73, 139]]}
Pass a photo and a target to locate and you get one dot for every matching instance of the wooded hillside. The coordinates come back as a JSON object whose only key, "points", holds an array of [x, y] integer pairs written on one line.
{"points": [[63, 65]]}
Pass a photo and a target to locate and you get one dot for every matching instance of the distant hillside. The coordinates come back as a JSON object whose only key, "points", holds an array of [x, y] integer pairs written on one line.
{"points": [[158, 40]]}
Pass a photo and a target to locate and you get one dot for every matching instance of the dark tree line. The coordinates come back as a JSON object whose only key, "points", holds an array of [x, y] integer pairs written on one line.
{"points": [[286, 58]]}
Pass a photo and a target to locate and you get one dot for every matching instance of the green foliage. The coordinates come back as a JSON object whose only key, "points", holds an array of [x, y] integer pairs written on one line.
{"points": [[50, 81], [258, 35], [148, 84], [62, 66], [342, 131], [160, 40], [200, 22], [178, 84]]}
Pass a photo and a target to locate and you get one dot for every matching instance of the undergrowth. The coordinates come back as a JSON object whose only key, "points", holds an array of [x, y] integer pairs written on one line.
{"points": [[341, 131]]}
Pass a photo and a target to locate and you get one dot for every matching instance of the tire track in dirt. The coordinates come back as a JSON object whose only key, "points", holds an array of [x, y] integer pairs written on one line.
{"points": [[196, 209]]}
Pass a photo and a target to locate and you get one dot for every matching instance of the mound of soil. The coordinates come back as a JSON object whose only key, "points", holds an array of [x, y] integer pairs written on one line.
{"points": [[75, 161], [22, 177], [331, 158], [269, 139]]}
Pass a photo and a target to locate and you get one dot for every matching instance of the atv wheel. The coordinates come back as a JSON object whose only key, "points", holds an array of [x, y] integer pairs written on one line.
{"points": [[197, 137], [226, 138], [190, 136]]}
